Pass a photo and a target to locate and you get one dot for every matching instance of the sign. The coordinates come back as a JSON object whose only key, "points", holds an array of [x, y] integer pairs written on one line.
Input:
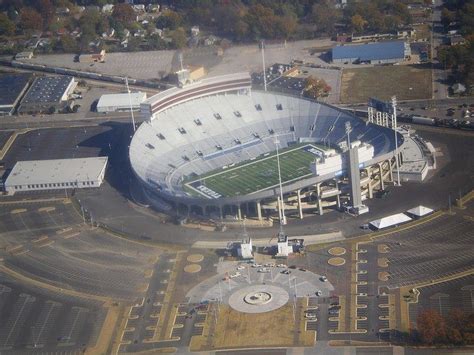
{"points": [[381, 106]]}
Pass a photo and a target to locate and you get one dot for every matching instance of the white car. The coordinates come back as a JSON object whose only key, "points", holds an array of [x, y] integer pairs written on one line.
{"points": [[257, 265], [235, 274], [269, 265], [318, 293], [282, 265], [264, 270], [323, 278], [240, 267]]}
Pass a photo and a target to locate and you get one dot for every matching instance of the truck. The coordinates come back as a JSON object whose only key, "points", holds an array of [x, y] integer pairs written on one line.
{"points": [[423, 120]]}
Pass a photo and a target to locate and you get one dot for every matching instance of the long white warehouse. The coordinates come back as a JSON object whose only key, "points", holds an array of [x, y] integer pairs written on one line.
{"points": [[120, 102], [36, 175]]}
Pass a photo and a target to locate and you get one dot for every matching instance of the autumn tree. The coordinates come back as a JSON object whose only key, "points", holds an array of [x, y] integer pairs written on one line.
{"points": [[46, 9], [325, 15], [169, 19], [314, 88], [124, 13], [431, 327], [7, 27], [358, 23], [30, 19], [178, 38]]}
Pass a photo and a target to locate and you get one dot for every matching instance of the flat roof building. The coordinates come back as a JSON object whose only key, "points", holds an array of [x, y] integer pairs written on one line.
{"points": [[47, 94], [120, 102], [12, 89], [37, 175], [374, 53]]}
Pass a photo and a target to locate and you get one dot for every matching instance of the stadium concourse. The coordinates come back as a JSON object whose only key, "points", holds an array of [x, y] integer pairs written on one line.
{"points": [[210, 148]]}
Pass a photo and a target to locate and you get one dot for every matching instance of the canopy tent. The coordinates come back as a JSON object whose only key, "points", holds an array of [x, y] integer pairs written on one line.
{"points": [[419, 211], [389, 221]]}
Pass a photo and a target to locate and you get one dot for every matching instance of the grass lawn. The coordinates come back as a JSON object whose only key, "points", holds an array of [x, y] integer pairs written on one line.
{"points": [[255, 175], [407, 82]]}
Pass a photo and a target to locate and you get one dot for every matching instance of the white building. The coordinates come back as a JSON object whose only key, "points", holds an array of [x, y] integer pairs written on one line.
{"points": [[120, 102], [284, 248], [245, 249], [36, 175]]}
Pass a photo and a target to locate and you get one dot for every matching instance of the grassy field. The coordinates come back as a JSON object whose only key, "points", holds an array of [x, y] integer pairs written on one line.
{"points": [[407, 82], [255, 175]]}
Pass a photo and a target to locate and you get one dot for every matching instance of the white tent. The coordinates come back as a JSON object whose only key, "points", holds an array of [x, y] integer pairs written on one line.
{"points": [[390, 221], [419, 211]]}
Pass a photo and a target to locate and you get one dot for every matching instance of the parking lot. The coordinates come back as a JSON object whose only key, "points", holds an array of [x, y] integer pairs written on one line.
{"points": [[33, 322]]}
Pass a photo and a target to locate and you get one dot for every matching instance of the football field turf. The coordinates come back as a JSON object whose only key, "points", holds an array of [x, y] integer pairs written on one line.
{"points": [[256, 175]]}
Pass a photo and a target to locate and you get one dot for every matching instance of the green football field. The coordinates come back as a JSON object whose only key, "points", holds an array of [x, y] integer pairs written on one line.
{"points": [[255, 175]]}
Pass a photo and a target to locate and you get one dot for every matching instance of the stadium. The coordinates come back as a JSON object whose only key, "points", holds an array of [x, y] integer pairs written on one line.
{"points": [[215, 148]]}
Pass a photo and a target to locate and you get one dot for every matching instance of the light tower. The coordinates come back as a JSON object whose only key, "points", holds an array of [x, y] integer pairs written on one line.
{"points": [[281, 207], [130, 102], [394, 127], [262, 44], [348, 131]]}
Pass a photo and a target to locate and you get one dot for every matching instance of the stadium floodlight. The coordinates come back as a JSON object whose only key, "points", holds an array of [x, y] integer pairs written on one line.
{"points": [[281, 208], [394, 127], [348, 131], [130, 102], [262, 44]]}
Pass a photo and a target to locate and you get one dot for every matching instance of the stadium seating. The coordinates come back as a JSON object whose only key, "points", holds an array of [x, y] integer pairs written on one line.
{"points": [[208, 133]]}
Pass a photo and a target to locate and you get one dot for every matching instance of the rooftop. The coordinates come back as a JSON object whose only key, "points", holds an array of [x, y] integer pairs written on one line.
{"points": [[11, 86], [122, 99], [370, 51], [56, 171], [47, 89]]}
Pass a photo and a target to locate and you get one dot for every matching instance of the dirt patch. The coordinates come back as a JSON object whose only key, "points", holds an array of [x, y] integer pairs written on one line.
{"points": [[407, 82], [383, 248], [383, 276], [192, 268], [382, 262], [195, 258], [337, 261], [337, 251]]}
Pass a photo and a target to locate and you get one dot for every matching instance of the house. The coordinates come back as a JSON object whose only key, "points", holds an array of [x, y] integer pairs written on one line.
{"points": [[138, 8], [126, 33], [195, 31], [107, 8], [109, 34], [456, 40], [62, 32], [153, 8], [406, 33], [210, 41], [458, 88], [62, 11]]}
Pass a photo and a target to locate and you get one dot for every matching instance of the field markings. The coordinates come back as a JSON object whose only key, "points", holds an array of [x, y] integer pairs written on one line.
{"points": [[265, 162]]}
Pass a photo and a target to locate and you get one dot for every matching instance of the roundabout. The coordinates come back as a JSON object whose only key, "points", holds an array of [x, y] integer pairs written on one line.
{"points": [[258, 298]]}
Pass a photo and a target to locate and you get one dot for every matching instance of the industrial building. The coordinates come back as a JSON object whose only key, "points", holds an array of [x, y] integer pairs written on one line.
{"points": [[120, 102], [47, 94], [373, 53], [12, 89], [37, 175]]}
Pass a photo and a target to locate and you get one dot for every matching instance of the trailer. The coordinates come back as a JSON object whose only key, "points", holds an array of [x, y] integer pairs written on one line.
{"points": [[423, 120]]}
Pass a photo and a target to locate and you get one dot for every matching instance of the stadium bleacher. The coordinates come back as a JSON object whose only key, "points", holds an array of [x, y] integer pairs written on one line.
{"points": [[221, 137]]}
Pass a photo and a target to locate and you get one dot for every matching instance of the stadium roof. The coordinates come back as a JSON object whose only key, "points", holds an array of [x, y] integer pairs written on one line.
{"points": [[56, 171], [121, 99], [370, 51], [11, 86], [420, 211], [390, 221], [47, 89]]}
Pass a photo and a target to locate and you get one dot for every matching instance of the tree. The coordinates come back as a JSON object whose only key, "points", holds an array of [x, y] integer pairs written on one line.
{"points": [[431, 327], [46, 9], [169, 19], [124, 13], [178, 38], [358, 23], [7, 27], [30, 19], [314, 87], [325, 16], [68, 44]]}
